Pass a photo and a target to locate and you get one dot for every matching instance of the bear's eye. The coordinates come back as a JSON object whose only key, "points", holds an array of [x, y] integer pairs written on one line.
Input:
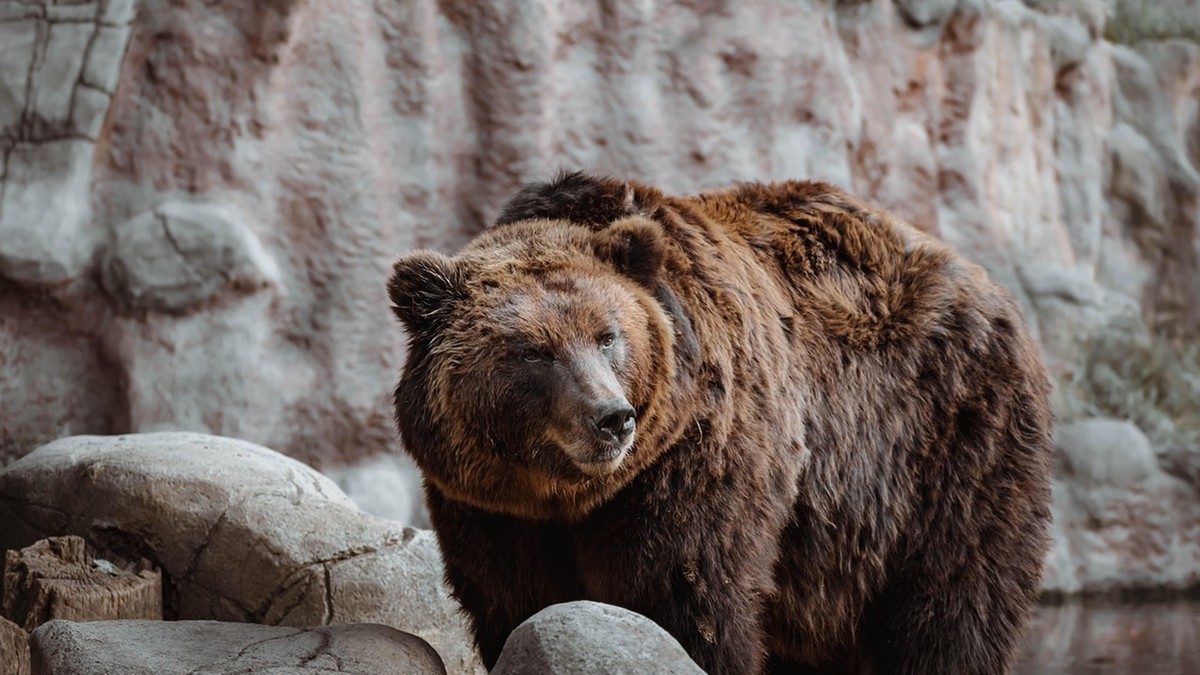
{"points": [[536, 354], [607, 340]]}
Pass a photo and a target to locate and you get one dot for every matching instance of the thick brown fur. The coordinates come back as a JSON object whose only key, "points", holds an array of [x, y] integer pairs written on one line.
{"points": [[841, 457]]}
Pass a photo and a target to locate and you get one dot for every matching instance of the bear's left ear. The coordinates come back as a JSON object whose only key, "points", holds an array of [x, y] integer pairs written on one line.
{"points": [[635, 246], [424, 287]]}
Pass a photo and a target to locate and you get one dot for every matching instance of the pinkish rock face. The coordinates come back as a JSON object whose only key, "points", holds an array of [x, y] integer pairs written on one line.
{"points": [[199, 205]]}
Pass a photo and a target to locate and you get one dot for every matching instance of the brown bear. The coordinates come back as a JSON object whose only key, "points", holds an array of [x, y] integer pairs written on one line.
{"points": [[797, 433]]}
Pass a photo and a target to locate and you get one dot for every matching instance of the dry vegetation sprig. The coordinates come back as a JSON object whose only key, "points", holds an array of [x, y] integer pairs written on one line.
{"points": [[1134, 21], [1152, 380]]}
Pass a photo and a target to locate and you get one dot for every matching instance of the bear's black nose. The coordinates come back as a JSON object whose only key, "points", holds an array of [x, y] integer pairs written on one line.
{"points": [[614, 420]]}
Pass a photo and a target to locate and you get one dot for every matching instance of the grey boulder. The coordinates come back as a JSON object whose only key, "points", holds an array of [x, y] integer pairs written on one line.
{"points": [[241, 533], [590, 638], [211, 647]]}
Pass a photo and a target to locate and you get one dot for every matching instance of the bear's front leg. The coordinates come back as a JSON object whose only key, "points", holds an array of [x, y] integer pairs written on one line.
{"points": [[696, 559], [501, 569]]}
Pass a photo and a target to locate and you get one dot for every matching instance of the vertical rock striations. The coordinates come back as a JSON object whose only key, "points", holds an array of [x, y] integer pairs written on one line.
{"points": [[199, 203]]}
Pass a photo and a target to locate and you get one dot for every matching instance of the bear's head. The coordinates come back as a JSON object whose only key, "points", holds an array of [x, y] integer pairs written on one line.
{"points": [[538, 363]]}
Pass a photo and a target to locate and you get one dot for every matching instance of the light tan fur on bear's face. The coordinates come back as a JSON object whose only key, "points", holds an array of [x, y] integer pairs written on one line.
{"points": [[539, 340]]}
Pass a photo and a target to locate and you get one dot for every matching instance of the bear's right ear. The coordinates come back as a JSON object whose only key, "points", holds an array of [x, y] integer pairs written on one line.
{"points": [[424, 287]]}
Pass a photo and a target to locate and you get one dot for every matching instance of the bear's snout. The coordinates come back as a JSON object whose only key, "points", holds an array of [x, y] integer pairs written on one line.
{"points": [[603, 435], [613, 421]]}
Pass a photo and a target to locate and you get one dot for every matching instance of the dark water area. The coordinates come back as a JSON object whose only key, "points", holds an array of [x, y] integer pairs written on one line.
{"points": [[1113, 638]]}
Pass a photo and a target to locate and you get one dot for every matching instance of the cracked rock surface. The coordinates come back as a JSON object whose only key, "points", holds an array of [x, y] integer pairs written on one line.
{"points": [[180, 254], [59, 67], [212, 648], [242, 533]]}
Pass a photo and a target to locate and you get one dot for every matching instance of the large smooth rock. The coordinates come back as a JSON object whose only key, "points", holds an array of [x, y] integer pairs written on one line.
{"points": [[241, 532], [212, 647], [582, 638], [1107, 452], [181, 254], [1120, 521]]}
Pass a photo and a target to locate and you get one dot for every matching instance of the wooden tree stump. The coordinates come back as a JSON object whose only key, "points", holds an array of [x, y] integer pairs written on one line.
{"points": [[14, 648], [60, 578]]}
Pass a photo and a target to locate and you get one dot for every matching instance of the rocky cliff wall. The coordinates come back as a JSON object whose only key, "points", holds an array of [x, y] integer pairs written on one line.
{"points": [[199, 201]]}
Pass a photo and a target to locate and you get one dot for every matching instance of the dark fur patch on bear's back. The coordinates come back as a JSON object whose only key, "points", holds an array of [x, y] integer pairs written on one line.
{"points": [[579, 198]]}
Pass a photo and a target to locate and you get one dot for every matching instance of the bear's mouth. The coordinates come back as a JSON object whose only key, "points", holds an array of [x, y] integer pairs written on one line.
{"points": [[599, 458]]}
